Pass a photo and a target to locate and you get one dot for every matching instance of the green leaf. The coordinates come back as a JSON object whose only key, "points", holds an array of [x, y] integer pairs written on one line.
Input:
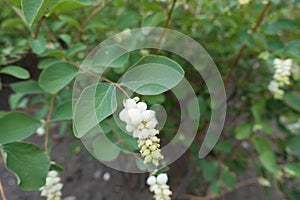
{"points": [[28, 163], [292, 100], [57, 76], [153, 75], [35, 9], [215, 187], [95, 103], [11, 23], [268, 160], [257, 109], [65, 5], [293, 169], [56, 167], [228, 179], [153, 20], [63, 111], [47, 62], [106, 57], [261, 144], [26, 87], [104, 149], [243, 131], [38, 45], [292, 145], [210, 169], [17, 126], [15, 71]]}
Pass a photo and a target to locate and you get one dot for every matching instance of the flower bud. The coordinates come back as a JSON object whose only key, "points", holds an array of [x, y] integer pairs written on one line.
{"points": [[142, 106], [162, 179], [151, 180], [135, 116]]}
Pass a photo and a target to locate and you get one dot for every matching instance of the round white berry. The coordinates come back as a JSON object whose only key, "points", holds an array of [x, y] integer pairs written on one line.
{"points": [[123, 115], [151, 180], [148, 115], [130, 128], [135, 116], [40, 131], [151, 124], [142, 106], [162, 179], [129, 103]]}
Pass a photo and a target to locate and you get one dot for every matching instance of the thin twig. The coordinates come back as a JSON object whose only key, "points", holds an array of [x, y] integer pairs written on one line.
{"points": [[89, 18], [2, 191], [52, 36], [166, 23], [12, 61], [100, 77], [48, 121], [37, 28], [244, 46]]}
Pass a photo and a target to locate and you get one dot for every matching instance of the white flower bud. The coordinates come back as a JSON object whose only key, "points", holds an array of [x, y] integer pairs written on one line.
{"points": [[151, 180], [129, 103], [135, 116], [136, 99], [137, 133], [130, 128], [148, 115], [40, 131], [151, 124], [123, 115], [148, 142], [162, 179], [52, 188], [142, 106]]}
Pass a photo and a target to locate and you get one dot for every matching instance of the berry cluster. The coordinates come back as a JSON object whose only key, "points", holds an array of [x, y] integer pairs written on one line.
{"points": [[281, 77], [158, 185], [52, 188], [141, 123]]}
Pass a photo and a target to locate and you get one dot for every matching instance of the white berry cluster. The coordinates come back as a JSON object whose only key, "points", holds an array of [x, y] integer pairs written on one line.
{"points": [[281, 77], [158, 185], [244, 2], [52, 188], [294, 127], [141, 123]]}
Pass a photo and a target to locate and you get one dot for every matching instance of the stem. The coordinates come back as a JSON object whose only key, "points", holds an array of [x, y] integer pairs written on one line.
{"points": [[47, 123], [166, 23], [2, 191], [89, 18], [12, 61], [100, 77], [52, 36], [244, 46], [37, 28]]}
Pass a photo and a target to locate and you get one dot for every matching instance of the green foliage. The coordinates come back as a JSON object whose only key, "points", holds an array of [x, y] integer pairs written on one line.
{"points": [[50, 38], [153, 75], [57, 76], [23, 159], [9, 132], [15, 71]]}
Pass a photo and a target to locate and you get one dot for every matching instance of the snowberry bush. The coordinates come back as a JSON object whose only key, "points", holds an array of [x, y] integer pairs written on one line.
{"points": [[255, 45]]}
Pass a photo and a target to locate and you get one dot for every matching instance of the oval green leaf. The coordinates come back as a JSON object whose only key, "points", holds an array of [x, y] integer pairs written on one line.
{"points": [[28, 162], [15, 71], [17, 126], [153, 75], [95, 103], [57, 76]]}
